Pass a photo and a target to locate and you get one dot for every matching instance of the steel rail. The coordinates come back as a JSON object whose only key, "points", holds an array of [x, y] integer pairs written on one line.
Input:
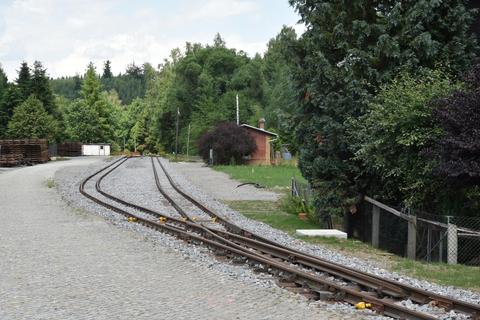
{"points": [[376, 285], [415, 294], [313, 282]]}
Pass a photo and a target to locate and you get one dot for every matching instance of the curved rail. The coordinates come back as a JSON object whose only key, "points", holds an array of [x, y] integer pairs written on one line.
{"points": [[236, 245], [415, 294]]}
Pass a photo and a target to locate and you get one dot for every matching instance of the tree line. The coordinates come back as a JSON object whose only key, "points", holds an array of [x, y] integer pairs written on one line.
{"points": [[376, 98], [138, 109]]}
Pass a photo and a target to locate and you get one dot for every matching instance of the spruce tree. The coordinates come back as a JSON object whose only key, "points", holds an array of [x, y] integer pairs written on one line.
{"points": [[24, 81], [91, 86], [349, 49], [30, 120], [40, 87], [11, 99], [107, 71]]}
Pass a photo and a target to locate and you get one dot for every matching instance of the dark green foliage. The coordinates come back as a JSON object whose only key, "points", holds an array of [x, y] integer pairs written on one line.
{"points": [[31, 120], [81, 121], [40, 87], [457, 148], [281, 96], [91, 118], [207, 80], [24, 80], [348, 50], [11, 99], [389, 138], [230, 143], [107, 70], [459, 144], [5, 113], [68, 87], [129, 86]]}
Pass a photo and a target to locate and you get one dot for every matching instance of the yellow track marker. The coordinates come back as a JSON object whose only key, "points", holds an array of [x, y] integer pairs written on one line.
{"points": [[363, 305]]}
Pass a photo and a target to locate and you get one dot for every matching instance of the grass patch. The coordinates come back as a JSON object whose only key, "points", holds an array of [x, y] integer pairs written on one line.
{"points": [[268, 176], [51, 183], [272, 214], [467, 277]]}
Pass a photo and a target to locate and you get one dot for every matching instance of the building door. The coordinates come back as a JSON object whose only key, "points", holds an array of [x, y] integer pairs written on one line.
{"points": [[102, 150]]}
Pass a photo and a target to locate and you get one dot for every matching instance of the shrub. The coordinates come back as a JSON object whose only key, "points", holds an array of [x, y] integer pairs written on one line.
{"points": [[457, 148], [228, 141], [388, 139]]}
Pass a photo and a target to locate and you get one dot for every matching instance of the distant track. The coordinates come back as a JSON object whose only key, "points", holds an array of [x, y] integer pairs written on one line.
{"points": [[265, 255]]}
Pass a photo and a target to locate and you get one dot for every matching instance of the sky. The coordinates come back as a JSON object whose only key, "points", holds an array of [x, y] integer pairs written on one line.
{"points": [[65, 35]]}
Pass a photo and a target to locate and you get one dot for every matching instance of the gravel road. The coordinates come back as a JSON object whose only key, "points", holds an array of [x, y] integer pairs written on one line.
{"points": [[219, 185], [60, 262]]}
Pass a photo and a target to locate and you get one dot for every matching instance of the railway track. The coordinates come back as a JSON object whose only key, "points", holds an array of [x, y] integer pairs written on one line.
{"points": [[296, 270]]}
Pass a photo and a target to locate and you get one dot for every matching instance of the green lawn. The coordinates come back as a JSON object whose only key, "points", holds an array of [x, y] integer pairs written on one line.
{"points": [[272, 214], [268, 176]]}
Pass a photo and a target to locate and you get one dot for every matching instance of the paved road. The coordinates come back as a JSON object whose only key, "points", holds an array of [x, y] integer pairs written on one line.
{"points": [[60, 263]]}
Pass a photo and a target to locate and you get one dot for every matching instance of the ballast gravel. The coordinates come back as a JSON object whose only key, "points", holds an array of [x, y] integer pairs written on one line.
{"points": [[334, 256], [134, 181], [57, 262]]}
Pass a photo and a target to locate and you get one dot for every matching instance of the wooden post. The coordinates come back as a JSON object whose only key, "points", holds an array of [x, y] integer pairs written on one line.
{"points": [[452, 243], [429, 243], [375, 226], [412, 237], [188, 141]]}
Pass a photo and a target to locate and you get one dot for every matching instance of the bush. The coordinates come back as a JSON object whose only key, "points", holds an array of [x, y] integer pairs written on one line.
{"points": [[389, 138], [229, 143], [457, 149]]}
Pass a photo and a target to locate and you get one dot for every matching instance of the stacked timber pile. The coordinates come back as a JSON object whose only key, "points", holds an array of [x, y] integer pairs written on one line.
{"points": [[31, 150], [69, 149], [11, 160]]}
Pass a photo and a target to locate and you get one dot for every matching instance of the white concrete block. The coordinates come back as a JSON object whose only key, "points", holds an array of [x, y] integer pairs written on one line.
{"points": [[321, 233]]}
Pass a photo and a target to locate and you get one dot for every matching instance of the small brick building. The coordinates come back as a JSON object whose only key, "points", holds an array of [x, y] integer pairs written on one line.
{"points": [[262, 139]]}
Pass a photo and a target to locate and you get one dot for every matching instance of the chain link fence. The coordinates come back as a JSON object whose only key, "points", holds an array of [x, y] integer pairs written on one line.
{"points": [[408, 233], [421, 236]]}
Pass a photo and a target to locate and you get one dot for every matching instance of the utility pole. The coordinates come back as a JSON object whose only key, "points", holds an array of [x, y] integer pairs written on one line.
{"points": [[238, 111], [188, 140], [176, 134]]}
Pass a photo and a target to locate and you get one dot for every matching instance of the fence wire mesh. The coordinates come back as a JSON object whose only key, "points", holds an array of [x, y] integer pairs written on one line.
{"points": [[436, 238], [448, 239]]}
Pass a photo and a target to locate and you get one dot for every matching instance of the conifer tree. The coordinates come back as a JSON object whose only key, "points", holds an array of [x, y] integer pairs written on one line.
{"points": [[107, 71], [31, 120], [40, 87], [24, 81], [91, 86], [348, 50]]}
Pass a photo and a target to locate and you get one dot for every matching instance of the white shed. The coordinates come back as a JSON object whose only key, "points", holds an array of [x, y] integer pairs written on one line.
{"points": [[99, 149]]}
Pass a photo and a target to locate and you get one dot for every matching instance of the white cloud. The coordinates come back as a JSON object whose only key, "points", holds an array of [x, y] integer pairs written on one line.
{"points": [[66, 35], [219, 9]]}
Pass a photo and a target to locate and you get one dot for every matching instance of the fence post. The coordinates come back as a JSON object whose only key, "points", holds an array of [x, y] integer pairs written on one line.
{"points": [[412, 237], [452, 243], [375, 225], [429, 243]]}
